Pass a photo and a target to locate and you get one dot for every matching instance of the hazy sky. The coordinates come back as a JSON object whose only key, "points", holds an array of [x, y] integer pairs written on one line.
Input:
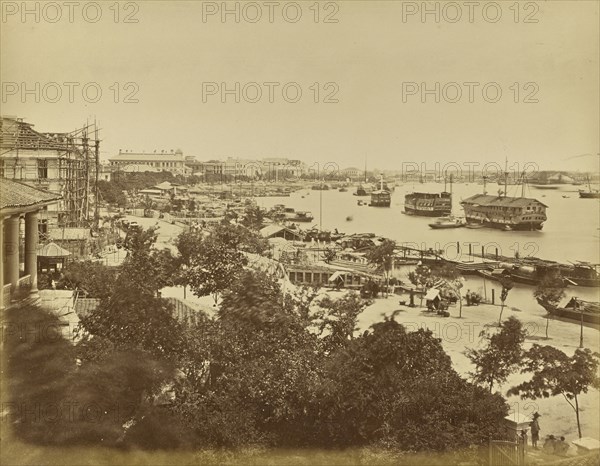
{"points": [[373, 52]]}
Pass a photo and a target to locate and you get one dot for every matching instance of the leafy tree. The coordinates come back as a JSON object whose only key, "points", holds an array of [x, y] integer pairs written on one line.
{"points": [[145, 267], [554, 373], [330, 254], [337, 319], [253, 217], [94, 279], [111, 193], [421, 277], [551, 290], [501, 356], [214, 270], [398, 388], [213, 262], [132, 315], [507, 285], [264, 368], [382, 256]]}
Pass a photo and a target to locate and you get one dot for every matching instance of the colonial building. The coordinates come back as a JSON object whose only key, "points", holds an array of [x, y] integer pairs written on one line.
{"points": [[352, 172], [62, 163], [18, 202], [171, 161]]}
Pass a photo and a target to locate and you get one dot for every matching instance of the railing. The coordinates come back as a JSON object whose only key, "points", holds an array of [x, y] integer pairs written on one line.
{"points": [[24, 282], [6, 295]]}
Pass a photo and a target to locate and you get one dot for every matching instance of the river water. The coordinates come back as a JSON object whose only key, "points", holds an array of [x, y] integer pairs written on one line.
{"points": [[571, 233]]}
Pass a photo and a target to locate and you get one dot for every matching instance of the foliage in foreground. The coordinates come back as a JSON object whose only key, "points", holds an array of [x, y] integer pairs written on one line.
{"points": [[266, 370]]}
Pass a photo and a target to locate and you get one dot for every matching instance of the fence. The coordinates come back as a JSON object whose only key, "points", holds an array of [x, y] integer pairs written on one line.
{"points": [[506, 453]]}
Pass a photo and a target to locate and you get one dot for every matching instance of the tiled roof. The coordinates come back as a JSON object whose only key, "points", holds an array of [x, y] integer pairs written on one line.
{"points": [[14, 194], [17, 133], [486, 200]]}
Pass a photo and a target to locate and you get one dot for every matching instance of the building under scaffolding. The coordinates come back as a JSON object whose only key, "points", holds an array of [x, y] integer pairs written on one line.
{"points": [[62, 163]]}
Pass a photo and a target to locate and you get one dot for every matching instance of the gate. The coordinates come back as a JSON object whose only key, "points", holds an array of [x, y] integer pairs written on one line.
{"points": [[506, 453]]}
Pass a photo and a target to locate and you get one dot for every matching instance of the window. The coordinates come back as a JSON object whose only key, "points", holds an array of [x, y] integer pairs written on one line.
{"points": [[42, 169]]}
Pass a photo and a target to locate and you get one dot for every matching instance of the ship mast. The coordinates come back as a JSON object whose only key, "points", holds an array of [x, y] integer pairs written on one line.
{"points": [[484, 182], [523, 184], [505, 176]]}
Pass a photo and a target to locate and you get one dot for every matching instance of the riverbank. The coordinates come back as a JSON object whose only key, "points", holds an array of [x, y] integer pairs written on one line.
{"points": [[458, 334]]}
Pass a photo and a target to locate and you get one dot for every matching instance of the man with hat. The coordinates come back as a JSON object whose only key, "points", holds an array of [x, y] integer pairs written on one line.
{"points": [[535, 429]]}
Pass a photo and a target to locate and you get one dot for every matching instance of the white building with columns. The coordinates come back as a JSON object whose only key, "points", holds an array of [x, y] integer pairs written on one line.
{"points": [[20, 205]]}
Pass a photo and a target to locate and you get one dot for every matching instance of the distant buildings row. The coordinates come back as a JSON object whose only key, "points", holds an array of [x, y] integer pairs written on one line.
{"points": [[271, 168]]}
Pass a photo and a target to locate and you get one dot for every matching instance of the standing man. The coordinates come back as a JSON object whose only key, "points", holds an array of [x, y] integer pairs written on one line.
{"points": [[535, 429], [524, 438]]}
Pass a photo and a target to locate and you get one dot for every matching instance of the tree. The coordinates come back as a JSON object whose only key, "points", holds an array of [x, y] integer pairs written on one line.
{"points": [[382, 256], [337, 319], [253, 217], [501, 356], [551, 290], [92, 278], [215, 268], [211, 262], [422, 278], [133, 316], [397, 388], [264, 369], [330, 254], [554, 373], [507, 285]]}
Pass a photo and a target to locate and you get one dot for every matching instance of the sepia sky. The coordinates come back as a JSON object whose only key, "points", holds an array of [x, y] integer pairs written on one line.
{"points": [[371, 53]]}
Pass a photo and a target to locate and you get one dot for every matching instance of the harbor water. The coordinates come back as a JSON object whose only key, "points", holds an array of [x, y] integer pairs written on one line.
{"points": [[571, 233]]}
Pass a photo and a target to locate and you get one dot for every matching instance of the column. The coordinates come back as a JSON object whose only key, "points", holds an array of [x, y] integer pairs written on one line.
{"points": [[3, 265], [11, 251], [31, 244]]}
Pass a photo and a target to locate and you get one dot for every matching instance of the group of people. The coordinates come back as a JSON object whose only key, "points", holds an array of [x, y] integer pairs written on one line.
{"points": [[552, 445], [472, 298]]}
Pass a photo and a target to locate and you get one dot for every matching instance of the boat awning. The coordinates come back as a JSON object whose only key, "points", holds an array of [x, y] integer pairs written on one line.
{"points": [[52, 250], [335, 276], [432, 294]]}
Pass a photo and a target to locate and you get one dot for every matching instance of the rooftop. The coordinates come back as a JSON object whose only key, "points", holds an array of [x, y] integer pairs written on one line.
{"points": [[486, 200], [14, 194], [16, 133]]}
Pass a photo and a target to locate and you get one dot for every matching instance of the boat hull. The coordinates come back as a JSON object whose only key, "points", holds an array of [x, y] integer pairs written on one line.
{"points": [[571, 314], [437, 226], [427, 213], [523, 226]]}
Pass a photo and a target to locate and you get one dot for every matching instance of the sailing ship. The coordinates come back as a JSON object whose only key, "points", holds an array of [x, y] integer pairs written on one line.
{"points": [[504, 212], [590, 193], [576, 310], [382, 197], [429, 204]]}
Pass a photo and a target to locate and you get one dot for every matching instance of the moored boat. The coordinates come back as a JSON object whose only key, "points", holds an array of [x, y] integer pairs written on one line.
{"points": [[504, 212], [447, 222], [590, 193], [382, 197], [429, 204], [576, 310]]}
